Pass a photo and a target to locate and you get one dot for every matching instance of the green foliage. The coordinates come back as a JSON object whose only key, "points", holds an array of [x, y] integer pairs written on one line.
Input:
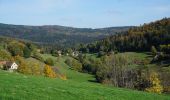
{"points": [[165, 48], [135, 39], [116, 70], [27, 52], [57, 36], [101, 53], [16, 48], [49, 61], [74, 64], [31, 47], [38, 56], [153, 50], [4, 55]]}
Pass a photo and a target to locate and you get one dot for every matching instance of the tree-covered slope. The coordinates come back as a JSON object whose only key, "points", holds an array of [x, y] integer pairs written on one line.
{"points": [[135, 39], [60, 35]]}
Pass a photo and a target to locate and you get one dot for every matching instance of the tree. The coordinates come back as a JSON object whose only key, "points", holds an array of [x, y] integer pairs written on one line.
{"points": [[153, 50], [115, 70], [155, 85], [48, 72], [4, 55], [27, 52], [23, 66], [35, 69], [74, 64], [16, 48], [49, 61]]}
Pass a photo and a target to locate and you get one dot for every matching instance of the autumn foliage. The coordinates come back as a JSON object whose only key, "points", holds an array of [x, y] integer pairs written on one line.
{"points": [[48, 72], [63, 77], [155, 84]]}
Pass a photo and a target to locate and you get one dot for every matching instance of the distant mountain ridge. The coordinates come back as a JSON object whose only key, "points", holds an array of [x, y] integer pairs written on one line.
{"points": [[60, 35]]}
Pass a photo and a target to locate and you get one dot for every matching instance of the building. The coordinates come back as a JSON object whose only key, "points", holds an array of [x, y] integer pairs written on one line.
{"points": [[8, 65], [59, 53], [75, 53]]}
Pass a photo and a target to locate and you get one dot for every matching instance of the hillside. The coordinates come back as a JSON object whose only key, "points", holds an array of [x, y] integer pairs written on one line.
{"points": [[77, 86], [136, 39], [60, 35]]}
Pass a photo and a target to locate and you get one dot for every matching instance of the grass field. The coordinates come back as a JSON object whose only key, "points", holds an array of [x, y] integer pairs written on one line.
{"points": [[14, 86]]}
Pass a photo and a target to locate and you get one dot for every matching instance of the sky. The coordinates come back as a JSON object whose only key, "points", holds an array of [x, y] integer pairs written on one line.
{"points": [[83, 13]]}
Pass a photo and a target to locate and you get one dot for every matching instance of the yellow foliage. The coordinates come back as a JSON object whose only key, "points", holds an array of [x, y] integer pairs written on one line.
{"points": [[48, 72], [35, 69], [23, 66], [63, 77], [155, 84]]}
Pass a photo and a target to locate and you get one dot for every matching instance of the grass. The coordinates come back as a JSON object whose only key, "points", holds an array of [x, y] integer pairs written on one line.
{"points": [[21, 87], [14, 86]]}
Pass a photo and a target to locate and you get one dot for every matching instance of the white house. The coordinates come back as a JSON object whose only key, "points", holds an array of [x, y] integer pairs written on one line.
{"points": [[8, 65], [11, 66]]}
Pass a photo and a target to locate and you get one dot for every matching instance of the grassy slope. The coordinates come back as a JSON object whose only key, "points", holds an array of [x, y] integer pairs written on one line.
{"points": [[15, 86]]}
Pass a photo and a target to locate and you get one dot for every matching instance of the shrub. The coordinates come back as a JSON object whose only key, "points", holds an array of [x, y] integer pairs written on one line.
{"points": [[35, 68], [38, 56], [49, 61], [63, 77], [4, 55], [27, 52], [23, 66], [155, 85], [101, 53], [115, 70], [74, 64], [16, 48], [153, 50], [48, 72]]}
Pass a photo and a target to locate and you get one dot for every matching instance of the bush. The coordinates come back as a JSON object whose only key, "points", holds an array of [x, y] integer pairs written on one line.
{"points": [[38, 56], [153, 50], [115, 70], [74, 64], [101, 53], [23, 66], [63, 77], [35, 68], [16, 48], [155, 85], [48, 72], [4, 55], [49, 61], [27, 52]]}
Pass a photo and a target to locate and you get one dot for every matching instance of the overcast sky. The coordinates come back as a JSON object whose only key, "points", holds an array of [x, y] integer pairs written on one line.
{"points": [[83, 13]]}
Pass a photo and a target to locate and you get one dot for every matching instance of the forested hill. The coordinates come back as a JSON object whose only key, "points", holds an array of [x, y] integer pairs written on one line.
{"points": [[60, 35], [140, 38]]}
